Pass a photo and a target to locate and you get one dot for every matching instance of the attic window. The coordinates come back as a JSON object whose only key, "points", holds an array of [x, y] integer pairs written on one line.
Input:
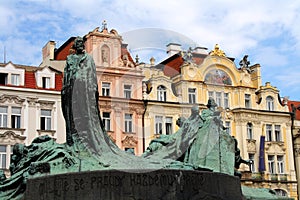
{"points": [[3, 78], [46, 82]]}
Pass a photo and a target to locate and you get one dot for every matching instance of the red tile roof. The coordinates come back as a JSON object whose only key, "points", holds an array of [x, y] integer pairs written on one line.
{"points": [[30, 81], [297, 105]]}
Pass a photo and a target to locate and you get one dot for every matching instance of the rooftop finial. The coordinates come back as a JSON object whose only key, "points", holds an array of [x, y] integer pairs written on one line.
{"points": [[217, 51]]}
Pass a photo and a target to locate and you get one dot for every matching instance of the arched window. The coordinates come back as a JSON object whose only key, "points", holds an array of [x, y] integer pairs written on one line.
{"points": [[281, 192], [161, 93], [270, 103], [250, 131]]}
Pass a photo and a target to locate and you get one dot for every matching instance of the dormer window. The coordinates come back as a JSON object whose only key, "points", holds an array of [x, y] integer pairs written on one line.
{"points": [[46, 82], [161, 93], [270, 103], [15, 79], [3, 78]]}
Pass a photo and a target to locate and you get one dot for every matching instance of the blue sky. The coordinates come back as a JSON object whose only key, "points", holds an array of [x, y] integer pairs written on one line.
{"points": [[268, 31]]}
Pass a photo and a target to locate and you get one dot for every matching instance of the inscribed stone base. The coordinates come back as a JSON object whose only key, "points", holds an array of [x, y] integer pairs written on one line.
{"points": [[166, 184]]}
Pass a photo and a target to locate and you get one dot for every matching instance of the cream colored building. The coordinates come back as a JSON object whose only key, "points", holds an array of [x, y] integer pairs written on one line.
{"points": [[30, 106], [252, 112]]}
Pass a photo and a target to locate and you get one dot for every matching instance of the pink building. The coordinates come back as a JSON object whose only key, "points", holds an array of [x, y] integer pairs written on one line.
{"points": [[119, 82]]}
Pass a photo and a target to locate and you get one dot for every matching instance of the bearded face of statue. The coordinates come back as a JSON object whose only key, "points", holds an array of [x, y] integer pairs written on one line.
{"points": [[79, 45]]}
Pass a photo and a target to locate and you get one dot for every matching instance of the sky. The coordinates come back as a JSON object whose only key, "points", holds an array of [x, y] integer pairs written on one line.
{"points": [[267, 31]]}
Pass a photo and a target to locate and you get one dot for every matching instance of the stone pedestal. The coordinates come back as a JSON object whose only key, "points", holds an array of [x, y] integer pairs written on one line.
{"points": [[165, 184]]}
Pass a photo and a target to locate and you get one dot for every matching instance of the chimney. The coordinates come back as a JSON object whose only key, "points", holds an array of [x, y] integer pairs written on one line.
{"points": [[173, 48], [200, 50], [48, 51]]}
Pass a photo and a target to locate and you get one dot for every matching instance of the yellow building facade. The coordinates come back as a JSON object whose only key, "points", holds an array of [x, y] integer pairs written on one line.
{"points": [[253, 113]]}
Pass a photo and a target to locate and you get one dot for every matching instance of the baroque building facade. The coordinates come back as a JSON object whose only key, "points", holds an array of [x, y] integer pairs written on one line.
{"points": [[119, 83], [30, 106], [253, 113]]}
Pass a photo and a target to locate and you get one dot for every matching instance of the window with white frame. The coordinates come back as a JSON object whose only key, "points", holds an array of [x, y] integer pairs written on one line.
{"points": [[169, 125], [192, 95], [270, 103], [278, 133], [269, 131], [45, 119], [249, 131], [252, 164], [161, 93], [3, 116], [16, 117], [247, 101], [228, 127], [128, 123], [106, 120], [221, 98], [271, 164], [158, 124], [105, 89], [46, 82], [3, 155], [127, 91], [15, 79], [280, 164]]}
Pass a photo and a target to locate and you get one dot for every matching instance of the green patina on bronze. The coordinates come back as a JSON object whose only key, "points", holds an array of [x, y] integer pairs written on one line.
{"points": [[200, 143]]}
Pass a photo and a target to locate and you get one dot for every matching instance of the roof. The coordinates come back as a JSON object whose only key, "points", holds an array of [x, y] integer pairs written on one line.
{"points": [[171, 66], [296, 105], [64, 50], [30, 79]]}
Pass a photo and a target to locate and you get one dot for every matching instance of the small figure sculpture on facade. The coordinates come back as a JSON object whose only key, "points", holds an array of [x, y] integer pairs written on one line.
{"points": [[244, 63]]}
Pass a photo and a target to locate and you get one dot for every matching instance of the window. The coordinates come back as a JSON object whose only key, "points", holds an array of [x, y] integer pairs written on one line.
{"points": [[226, 100], [3, 78], [270, 103], [105, 89], [221, 98], [269, 132], [127, 91], [168, 125], [247, 101], [158, 124], [161, 93], [271, 164], [277, 133], [280, 164], [106, 120], [252, 165], [3, 116], [250, 131], [45, 119], [15, 79], [46, 82], [228, 127], [3, 157], [211, 94], [192, 95], [16, 117], [128, 123]]}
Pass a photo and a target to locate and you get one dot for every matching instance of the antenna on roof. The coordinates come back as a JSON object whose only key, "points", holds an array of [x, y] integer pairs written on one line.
{"points": [[4, 55]]}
